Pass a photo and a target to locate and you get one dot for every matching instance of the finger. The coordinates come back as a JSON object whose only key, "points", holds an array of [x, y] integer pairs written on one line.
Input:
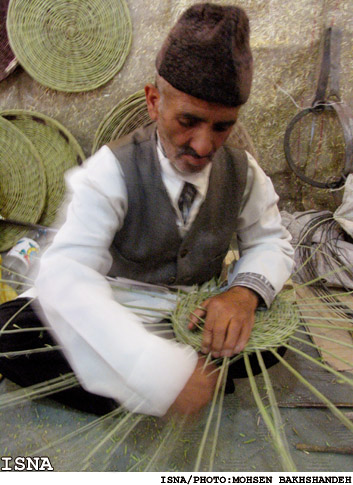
{"points": [[233, 334], [196, 318], [243, 338], [214, 333]]}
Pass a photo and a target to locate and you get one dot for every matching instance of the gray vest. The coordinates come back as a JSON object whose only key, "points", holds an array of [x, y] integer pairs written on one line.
{"points": [[148, 247]]}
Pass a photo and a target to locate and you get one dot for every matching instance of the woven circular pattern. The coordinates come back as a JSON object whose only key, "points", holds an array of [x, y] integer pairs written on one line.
{"points": [[128, 115], [22, 182], [272, 327], [57, 148], [70, 45], [8, 61]]}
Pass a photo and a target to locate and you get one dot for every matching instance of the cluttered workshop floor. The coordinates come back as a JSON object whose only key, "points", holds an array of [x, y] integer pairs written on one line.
{"points": [[316, 439]]}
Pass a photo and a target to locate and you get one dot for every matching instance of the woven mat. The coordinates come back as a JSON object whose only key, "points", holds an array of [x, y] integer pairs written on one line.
{"points": [[68, 45], [8, 60], [57, 148], [22, 182]]}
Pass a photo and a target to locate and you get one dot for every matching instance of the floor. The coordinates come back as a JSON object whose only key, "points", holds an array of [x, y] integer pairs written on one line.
{"points": [[69, 437]]}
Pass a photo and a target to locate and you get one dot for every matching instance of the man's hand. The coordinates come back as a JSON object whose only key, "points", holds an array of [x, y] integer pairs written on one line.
{"points": [[229, 318], [198, 390]]}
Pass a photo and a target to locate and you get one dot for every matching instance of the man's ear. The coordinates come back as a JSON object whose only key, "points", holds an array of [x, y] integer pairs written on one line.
{"points": [[152, 100]]}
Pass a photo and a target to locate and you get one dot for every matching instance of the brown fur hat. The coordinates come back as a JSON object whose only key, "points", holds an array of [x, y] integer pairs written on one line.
{"points": [[207, 54]]}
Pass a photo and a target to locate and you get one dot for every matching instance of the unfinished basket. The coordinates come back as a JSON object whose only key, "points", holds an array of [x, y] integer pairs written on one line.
{"points": [[272, 328], [70, 46]]}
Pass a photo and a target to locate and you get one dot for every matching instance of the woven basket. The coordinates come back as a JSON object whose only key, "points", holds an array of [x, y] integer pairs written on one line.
{"points": [[8, 60], [57, 148], [122, 119], [70, 45], [22, 182]]}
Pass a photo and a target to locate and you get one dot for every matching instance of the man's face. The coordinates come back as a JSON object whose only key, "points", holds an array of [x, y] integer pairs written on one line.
{"points": [[191, 130]]}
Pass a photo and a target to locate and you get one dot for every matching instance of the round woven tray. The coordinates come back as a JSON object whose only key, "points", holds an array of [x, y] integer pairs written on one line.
{"points": [[8, 60], [22, 182], [57, 148], [69, 45], [122, 119]]}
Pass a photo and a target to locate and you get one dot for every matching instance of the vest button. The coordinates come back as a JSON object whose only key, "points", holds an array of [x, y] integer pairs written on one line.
{"points": [[183, 253]]}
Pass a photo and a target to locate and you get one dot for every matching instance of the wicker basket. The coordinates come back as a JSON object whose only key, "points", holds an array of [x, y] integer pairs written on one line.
{"points": [[22, 182], [129, 114], [69, 45], [57, 148]]}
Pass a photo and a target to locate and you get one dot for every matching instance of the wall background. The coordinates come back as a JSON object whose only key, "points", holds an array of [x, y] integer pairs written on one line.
{"points": [[287, 37]]}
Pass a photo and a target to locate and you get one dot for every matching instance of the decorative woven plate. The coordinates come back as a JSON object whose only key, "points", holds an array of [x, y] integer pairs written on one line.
{"points": [[8, 61], [122, 119], [22, 182], [70, 45], [57, 148]]}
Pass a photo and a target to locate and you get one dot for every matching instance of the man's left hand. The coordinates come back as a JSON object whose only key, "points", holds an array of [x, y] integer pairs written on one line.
{"points": [[229, 318]]}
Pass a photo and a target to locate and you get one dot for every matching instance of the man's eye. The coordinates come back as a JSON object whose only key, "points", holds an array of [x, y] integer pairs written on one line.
{"points": [[187, 123], [221, 127]]}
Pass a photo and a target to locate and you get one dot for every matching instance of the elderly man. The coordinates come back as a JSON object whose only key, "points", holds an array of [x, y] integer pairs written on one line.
{"points": [[161, 207]]}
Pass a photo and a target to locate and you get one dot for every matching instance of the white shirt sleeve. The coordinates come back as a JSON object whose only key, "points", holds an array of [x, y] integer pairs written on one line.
{"points": [[266, 255], [107, 345]]}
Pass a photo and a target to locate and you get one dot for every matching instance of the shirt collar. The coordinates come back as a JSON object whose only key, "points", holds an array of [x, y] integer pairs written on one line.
{"points": [[200, 179]]}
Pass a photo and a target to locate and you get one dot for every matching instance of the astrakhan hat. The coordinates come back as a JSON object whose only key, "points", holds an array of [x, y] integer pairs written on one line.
{"points": [[207, 54]]}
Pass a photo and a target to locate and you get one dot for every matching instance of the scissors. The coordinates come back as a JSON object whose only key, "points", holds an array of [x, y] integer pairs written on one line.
{"points": [[329, 71]]}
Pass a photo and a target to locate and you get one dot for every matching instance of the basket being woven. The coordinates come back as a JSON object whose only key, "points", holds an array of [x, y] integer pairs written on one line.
{"points": [[57, 148], [22, 182], [70, 45], [8, 60], [272, 327]]}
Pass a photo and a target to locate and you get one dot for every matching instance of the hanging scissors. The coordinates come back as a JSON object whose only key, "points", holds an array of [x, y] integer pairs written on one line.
{"points": [[329, 76]]}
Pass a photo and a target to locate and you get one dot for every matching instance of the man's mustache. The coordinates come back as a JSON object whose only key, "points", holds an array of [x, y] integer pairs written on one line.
{"points": [[187, 150]]}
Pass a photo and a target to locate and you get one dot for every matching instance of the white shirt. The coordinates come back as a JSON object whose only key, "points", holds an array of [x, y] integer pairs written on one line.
{"points": [[108, 346]]}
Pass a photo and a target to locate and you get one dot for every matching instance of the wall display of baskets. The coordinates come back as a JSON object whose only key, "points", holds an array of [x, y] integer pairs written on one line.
{"points": [[56, 150], [70, 46], [8, 61]]}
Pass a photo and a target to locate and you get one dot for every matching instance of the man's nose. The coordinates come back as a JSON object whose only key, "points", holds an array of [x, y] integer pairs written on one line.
{"points": [[202, 142]]}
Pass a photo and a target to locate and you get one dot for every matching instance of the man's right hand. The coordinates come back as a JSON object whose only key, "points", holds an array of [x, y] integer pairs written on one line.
{"points": [[198, 390]]}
